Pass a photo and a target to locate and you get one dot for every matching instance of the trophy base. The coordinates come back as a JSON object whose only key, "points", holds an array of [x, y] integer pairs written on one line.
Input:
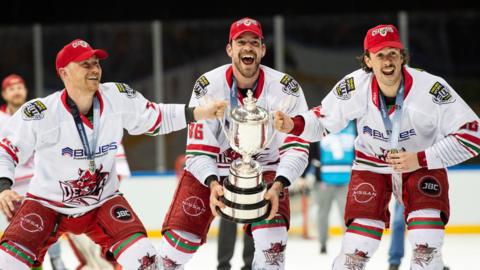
{"points": [[242, 220], [244, 213]]}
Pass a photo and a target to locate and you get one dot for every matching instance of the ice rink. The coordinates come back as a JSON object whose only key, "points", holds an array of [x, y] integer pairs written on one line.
{"points": [[460, 253]]}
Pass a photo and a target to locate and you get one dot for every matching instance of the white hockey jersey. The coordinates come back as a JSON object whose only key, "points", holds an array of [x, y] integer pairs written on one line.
{"points": [[208, 151], [435, 122], [61, 178]]}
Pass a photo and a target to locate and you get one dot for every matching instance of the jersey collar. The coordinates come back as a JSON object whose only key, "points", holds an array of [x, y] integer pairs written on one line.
{"points": [[375, 94], [258, 90], [63, 98]]}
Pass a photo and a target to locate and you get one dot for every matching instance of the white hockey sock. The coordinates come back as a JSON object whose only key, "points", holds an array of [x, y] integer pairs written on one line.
{"points": [[426, 233], [359, 243], [135, 252], [15, 256], [270, 238], [177, 248]]}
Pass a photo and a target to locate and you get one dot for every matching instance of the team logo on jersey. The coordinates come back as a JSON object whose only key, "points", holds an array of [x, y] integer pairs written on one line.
{"points": [[32, 223], [200, 87], [121, 213], [86, 189], [290, 86], [379, 135], [148, 262], [364, 192], [275, 254], [343, 89], [169, 264], [33, 110], [430, 186], [80, 153], [126, 89], [193, 206], [423, 255], [356, 260], [441, 94]]}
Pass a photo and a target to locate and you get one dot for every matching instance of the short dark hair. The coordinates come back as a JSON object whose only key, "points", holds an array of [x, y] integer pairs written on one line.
{"points": [[361, 59]]}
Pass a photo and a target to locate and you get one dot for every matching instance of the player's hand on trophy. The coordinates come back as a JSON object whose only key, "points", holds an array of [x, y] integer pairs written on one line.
{"points": [[8, 199], [211, 110], [216, 190], [282, 122], [403, 161], [273, 195]]}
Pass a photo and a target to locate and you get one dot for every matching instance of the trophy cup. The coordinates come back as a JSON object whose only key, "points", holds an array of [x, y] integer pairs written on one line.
{"points": [[244, 189]]}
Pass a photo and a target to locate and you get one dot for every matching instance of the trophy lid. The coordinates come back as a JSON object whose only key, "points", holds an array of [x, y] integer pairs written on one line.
{"points": [[249, 112]]}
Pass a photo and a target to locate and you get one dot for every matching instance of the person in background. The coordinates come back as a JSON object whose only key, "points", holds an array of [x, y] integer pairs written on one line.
{"points": [[14, 93], [336, 158], [227, 236]]}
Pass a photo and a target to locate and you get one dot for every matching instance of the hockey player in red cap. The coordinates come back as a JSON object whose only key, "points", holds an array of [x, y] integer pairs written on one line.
{"points": [[75, 134], [411, 125], [209, 155]]}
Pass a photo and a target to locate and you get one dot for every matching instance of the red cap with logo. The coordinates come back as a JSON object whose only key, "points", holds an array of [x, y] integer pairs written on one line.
{"points": [[77, 51], [381, 36], [11, 80], [245, 25]]}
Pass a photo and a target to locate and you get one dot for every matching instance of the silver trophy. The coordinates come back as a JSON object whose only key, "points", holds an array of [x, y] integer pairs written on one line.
{"points": [[244, 189]]}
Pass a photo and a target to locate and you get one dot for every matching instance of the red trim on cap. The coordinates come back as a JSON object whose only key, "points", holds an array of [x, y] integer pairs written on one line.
{"points": [[375, 88], [258, 90]]}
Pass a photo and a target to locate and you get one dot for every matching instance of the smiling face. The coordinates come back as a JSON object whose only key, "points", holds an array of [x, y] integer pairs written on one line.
{"points": [[246, 52], [386, 65], [84, 75]]}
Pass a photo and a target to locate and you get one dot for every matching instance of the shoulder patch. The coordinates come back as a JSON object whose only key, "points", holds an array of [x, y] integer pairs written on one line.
{"points": [[290, 86], [343, 89], [33, 110], [441, 94], [126, 89], [200, 87]]}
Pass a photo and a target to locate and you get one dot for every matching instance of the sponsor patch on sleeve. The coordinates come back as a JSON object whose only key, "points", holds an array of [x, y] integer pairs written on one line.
{"points": [[290, 85], [441, 94], [126, 89], [33, 110], [200, 87], [343, 89]]}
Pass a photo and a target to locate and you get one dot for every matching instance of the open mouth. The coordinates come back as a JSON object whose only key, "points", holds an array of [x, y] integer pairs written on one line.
{"points": [[388, 72], [248, 59], [92, 78]]}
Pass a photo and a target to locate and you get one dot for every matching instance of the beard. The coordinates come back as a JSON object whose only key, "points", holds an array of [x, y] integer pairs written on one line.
{"points": [[247, 71]]}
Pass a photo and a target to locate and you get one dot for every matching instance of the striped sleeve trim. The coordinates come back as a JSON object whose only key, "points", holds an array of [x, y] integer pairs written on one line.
{"points": [[368, 160], [10, 152], [294, 143], [276, 222], [119, 248], [17, 252], [157, 122], [469, 142], [364, 230], [425, 223], [180, 243], [201, 149]]}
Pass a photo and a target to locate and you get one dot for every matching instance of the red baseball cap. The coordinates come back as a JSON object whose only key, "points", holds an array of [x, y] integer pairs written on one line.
{"points": [[11, 80], [76, 51], [381, 36], [245, 25]]}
